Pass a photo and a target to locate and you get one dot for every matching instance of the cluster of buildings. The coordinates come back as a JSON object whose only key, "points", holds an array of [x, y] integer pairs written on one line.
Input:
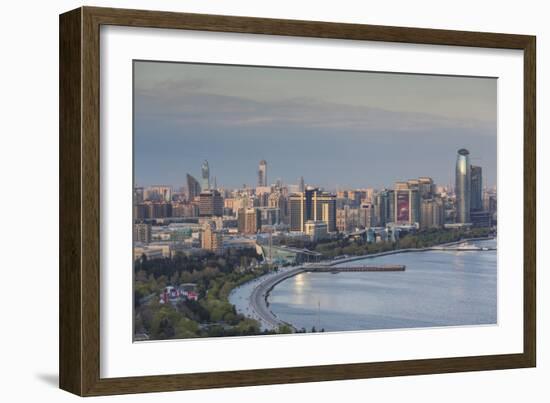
{"points": [[184, 292], [203, 216]]}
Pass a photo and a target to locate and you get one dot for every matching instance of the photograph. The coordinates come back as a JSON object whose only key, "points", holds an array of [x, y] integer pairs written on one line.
{"points": [[275, 200]]}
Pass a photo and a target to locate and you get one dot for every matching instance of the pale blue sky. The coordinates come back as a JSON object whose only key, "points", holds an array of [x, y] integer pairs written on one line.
{"points": [[337, 129]]}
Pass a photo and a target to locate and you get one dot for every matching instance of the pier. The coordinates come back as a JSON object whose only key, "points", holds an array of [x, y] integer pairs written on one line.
{"points": [[336, 269]]}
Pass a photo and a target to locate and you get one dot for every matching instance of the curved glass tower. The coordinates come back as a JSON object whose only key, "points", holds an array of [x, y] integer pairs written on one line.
{"points": [[463, 186]]}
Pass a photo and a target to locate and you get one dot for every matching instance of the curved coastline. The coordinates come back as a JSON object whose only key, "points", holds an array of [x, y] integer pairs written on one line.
{"points": [[258, 298]]}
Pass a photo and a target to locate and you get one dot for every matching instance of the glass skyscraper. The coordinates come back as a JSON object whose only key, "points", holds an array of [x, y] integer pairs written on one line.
{"points": [[205, 175], [463, 186], [476, 203]]}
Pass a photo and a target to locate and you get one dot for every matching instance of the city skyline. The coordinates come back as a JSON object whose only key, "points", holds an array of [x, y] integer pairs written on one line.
{"points": [[191, 182], [334, 135]]}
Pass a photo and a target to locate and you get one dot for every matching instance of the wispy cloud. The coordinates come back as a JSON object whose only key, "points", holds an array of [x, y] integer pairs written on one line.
{"points": [[185, 103]]}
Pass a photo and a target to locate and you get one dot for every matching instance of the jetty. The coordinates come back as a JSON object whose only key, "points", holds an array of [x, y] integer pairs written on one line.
{"points": [[358, 268]]}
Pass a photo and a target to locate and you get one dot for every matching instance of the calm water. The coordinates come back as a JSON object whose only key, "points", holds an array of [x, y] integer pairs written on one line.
{"points": [[437, 289]]}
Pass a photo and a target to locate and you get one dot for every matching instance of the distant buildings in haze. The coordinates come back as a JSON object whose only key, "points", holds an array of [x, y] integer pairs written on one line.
{"points": [[262, 173], [205, 175], [193, 187]]}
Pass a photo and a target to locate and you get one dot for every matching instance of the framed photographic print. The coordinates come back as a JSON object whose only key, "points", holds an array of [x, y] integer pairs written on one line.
{"points": [[249, 201]]}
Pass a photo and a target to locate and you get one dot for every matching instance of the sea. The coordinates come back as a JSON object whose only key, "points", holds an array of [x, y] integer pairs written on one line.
{"points": [[438, 288]]}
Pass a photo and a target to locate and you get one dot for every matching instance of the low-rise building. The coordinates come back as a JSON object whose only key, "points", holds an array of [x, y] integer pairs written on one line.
{"points": [[317, 230], [149, 253]]}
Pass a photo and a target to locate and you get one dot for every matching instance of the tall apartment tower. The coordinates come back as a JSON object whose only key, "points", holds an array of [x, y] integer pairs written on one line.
{"points": [[205, 175], [463, 186], [476, 185], [262, 173]]}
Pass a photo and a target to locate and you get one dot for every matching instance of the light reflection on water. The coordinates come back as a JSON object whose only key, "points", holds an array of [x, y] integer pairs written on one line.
{"points": [[437, 289]]}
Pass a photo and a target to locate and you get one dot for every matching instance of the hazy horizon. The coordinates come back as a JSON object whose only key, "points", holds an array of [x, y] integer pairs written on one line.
{"points": [[337, 129]]}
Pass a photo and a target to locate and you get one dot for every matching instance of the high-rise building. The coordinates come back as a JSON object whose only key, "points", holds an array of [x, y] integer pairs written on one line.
{"points": [[355, 197], [211, 239], [390, 214], [432, 213], [249, 220], [262, 173], [367, 214], [406, 202], [193, 187], [142, 233], [312, 205], [277, 200], [297, 213], [210, 204], [382, 207], [205, 175], [342, 219], [490, 202], [463, 186], [402, 205], [324, 209], [476, 186], [270, 215]]}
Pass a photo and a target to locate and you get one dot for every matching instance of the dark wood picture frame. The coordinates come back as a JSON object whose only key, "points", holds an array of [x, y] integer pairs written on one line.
{"points": [[79, 347]]}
